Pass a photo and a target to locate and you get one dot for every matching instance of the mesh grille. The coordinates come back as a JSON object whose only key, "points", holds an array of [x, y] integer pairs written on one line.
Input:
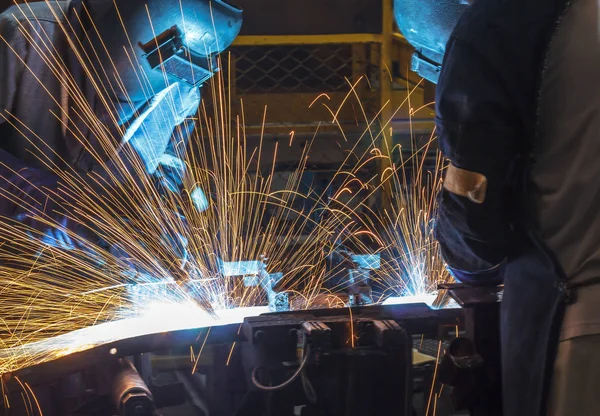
{"points": [[303, 68]]}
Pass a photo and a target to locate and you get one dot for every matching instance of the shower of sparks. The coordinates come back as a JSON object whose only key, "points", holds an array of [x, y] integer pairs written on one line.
{"points": [[431, 391], [411, 264], [123, 265], [401, 227], [126, 277]]}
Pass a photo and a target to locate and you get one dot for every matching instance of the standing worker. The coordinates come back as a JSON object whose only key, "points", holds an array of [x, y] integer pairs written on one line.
{"points": [[73, 73], [518, 115]]}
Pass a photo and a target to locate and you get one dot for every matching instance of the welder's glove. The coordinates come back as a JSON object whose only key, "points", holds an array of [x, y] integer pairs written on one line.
{"points": [[169, 177], [199, 200], [169, 174]]}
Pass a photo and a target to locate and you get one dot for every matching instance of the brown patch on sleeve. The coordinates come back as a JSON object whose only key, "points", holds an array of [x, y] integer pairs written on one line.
{"points": [[465, 183]]}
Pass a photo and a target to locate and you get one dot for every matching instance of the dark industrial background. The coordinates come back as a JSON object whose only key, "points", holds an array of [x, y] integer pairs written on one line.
{"points": [[289, 53]]}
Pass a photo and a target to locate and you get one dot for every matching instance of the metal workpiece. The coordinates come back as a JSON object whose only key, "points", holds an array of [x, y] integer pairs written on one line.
{"points": [[111, 352], [416, 318], [359, 289], [339, 361], [254, 273], [351, 275], [352, 278], [276, 328], [469, 296]]}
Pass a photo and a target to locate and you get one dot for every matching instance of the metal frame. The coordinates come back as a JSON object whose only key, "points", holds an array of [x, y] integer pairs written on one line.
{"points": [[385, 40], [273, 40], [416, 318]]}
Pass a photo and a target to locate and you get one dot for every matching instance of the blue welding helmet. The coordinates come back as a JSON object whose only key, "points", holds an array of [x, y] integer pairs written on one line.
{"points": [[427, 25], [144, 45]]}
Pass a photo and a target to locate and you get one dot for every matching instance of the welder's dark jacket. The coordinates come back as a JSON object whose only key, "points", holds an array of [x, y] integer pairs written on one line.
{"points": [[33, 141], [487, 121]]}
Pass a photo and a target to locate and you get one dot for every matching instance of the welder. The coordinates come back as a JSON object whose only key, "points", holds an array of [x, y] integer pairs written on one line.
{"points": [[71, 71], [518, 117]]}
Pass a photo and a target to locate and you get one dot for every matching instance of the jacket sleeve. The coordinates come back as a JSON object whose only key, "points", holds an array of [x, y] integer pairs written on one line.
{"points": [[32, 198], [172, 168], [478, 129], [12, 46], [26, 193]]}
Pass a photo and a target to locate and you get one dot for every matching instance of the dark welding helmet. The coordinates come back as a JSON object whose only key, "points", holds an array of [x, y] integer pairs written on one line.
{"points": [[427, 25], [143, 45]]}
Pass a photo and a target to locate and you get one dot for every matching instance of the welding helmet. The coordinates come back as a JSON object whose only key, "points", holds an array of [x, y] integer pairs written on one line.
{"points": [[144, 45], [427, 25]]}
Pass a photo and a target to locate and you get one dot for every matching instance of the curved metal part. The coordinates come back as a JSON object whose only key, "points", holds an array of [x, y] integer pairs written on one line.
{"points": [[107, 342], [416, 318], [427, 25]]}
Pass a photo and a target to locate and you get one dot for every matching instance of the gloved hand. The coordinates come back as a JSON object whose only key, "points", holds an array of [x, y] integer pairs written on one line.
{"points": [[199, 200], [169, 177]]}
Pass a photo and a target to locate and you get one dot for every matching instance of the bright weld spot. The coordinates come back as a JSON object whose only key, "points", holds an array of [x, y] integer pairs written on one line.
{"points": [[405, 300], [156, 318]]}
